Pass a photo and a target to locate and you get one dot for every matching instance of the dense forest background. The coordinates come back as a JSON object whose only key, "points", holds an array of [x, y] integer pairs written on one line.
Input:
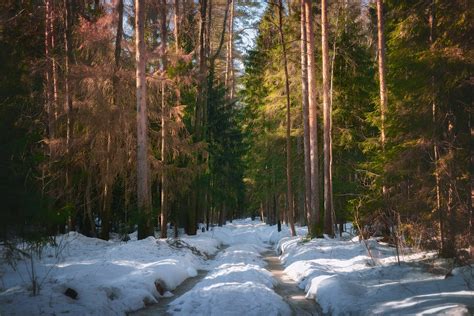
{"points": [[122, 113]]}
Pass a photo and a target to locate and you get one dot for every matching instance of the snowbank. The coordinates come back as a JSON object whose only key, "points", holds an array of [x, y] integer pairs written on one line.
{"points": [[110, 277], [343, 279]]}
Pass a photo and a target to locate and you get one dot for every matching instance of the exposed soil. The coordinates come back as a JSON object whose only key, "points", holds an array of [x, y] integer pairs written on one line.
{"points": [[289, 290]]}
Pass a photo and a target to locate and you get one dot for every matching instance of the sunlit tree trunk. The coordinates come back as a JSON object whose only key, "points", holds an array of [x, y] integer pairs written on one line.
{"points": [[381, 66], [143, 183], [313, 123], [306, 132], [164, 126], [289, 190], [229, 73], [327, 122]]}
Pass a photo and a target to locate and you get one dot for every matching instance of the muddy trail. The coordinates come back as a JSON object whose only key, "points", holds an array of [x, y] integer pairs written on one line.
{"points": [[289, 290]]}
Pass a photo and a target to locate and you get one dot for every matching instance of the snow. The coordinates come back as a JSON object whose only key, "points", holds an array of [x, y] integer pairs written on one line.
{"points": [[110, 277], [238, 283], [114, 277], [343, 279]]}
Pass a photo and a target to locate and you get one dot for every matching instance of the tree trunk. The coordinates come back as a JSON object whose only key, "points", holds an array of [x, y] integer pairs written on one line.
{"points": [[67, 98], [327, 121], [306, 132], [89, 220], [48, 72], [164, 126], [202, 84], [143, 183], [108, 177], [177, 22], [229, 72], [289, 191], [434, 109], [381, 64], [471, 194], [313, 123]]}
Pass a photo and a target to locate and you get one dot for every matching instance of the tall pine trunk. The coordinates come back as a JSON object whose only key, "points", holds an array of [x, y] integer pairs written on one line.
{"points": [[381, 65], [143, 183], [313, 123], [67, 100], [289, 191], [229, 72], [48, 72], [327, 122], [164, 126], [435, 121], [108, 177], [306, 132]]}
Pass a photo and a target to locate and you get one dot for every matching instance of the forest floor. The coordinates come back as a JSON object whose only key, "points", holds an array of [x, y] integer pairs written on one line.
{"points": [[243, 268]]}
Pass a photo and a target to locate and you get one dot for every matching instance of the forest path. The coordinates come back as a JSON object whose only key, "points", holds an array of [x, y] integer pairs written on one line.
{"points": [[161, 307], [288, 289]]}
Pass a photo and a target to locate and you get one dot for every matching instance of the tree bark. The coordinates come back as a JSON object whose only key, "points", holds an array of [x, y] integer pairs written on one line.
{"points": [[313, 123], [327, 121], [229, 72], [177, 22], [67, 98], [164, 126], [381, 65], [306, 131], [108, 177], [202, 84], [143, 183], [434, 109], [48, 72], [289, 191]]}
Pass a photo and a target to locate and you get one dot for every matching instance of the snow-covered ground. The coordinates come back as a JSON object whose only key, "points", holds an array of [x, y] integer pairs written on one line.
{"points": [[344, 279], [114, 277], [110, 277], [238, 283]]}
